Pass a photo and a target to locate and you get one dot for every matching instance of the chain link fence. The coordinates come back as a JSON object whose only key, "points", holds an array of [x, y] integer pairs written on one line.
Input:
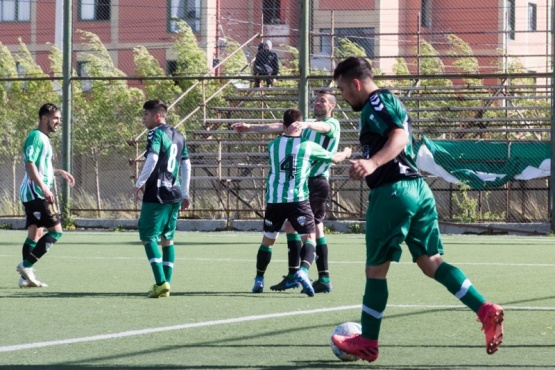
{"points": [[478, 89]]}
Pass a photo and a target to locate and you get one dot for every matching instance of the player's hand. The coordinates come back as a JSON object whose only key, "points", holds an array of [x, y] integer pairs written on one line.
{"points": [[348, 152], [241, 127], [298, 125], [68, 177], [185, 204], [137, 191], [48, 196], [361, 168]]}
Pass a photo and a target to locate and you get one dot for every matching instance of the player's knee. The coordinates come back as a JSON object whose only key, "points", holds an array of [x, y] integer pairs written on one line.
{"points": [[271, 235], [55, 235]]}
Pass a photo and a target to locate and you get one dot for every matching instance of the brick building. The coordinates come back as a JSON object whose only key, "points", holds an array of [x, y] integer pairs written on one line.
{"points": [[494, 29]]}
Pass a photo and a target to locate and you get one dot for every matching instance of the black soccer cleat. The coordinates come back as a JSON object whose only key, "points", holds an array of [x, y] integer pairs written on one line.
{"points": [[285, 284]]}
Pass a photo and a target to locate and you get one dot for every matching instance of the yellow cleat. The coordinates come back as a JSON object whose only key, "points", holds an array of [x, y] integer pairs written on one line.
{"points": [[158, 291]]}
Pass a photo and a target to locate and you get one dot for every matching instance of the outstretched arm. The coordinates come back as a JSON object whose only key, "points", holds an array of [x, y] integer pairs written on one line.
{"points": [[317, 126], [341, 156], [262, 128]]}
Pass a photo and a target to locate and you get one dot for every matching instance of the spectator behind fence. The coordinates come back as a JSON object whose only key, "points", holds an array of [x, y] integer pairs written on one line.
{"points": [[266, 63]]}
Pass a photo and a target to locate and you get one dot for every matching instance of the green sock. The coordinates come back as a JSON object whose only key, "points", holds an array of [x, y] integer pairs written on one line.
{"points": [[457, 283], [155, 260], [168, 259], [373, 307]]}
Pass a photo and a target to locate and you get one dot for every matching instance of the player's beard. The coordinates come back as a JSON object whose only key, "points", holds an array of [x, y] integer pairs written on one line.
{"points": [[357, 107], [320, 112], [52, 127]]}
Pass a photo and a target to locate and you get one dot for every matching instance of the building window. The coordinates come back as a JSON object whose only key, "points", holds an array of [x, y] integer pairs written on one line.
{"points": [[94, 10], [532, 17], [511, 16], [186, 10], [364, 37], [271, 12], [86, 85], [171, 67], [15, 10], [426, 14]]}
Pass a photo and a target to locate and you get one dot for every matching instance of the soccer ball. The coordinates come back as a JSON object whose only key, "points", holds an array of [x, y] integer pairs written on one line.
{"points": [[347, 329]]}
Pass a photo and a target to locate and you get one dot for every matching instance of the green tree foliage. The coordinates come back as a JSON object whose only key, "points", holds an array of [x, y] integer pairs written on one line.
{"points": [[526, 104], [110, 112], [192, 61], [21, 101], [346, 48], [166, 90], [147, 66], [12, 139], [465, 59], [237, 63]]}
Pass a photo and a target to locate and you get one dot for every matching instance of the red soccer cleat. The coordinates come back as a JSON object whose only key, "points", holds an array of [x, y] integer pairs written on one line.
{"points": [[366, 349], [491, 316]]}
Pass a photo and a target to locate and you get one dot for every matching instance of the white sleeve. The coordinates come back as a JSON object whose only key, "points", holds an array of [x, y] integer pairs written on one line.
{"points": [[185, 178], [150, 163]]}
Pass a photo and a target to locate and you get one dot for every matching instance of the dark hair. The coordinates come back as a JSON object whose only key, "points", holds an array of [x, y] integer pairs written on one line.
{"points": [[156, 106], [330, 94], [353, 67], [48, 109], [291, 115]]}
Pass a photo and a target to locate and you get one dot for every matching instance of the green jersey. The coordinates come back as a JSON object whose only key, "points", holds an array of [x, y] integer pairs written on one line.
{"points": [[329, 141], [382, 113], [37, 150], [163, 184], [291, 159]]}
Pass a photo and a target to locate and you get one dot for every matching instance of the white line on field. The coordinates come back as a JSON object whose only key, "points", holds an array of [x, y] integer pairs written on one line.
{"points": [[280, 260], [132, 333]]}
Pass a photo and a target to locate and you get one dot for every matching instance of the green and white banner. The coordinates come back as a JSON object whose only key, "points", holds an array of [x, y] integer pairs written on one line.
{"points": [[484, 164]]}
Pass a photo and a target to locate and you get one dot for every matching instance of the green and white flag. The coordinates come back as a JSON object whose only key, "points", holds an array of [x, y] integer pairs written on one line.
{"points": [[484, 164]]}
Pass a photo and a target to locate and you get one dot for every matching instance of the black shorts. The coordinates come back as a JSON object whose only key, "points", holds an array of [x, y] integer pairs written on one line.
{"points": [[298, 214], [41, 213], [318, 192]]}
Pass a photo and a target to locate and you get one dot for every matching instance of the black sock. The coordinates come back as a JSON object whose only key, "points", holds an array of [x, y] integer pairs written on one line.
{"points": [[263, 259], [294, 257], [42, 247], [28, 247], [322, 260], [307, 255]]}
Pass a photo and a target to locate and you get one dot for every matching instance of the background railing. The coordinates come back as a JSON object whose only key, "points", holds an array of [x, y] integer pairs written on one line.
{"points": [[464, 79]]}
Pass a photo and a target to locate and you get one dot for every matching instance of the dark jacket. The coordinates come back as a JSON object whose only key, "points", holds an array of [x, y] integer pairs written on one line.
{"points": [[267, 61]]}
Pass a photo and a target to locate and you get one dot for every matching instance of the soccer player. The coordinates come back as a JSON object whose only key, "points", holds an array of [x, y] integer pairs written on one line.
{"points": [[163, 193], [36, 195], [324, 130], [291, 158], [401, 208]]}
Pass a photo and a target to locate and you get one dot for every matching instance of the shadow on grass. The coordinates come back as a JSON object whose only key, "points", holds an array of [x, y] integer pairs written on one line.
{"points": [[43, 293]]}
